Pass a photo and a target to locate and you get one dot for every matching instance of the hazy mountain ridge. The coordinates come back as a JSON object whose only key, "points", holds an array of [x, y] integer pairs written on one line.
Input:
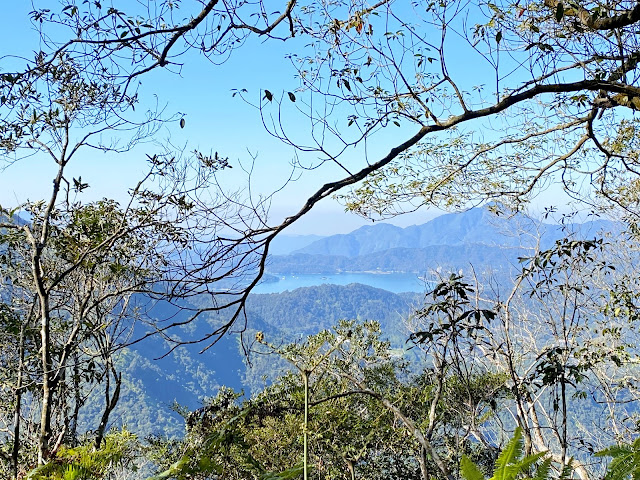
{"points": [[476, 226], [475, 237], [401, 260], [310, 309], [285, 244]]}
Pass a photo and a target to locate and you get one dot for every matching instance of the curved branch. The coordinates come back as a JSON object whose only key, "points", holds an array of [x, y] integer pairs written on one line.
{"points": [[620, 20]]}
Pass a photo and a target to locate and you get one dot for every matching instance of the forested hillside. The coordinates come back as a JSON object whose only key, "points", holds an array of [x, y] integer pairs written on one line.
{"points": [[477, 237], [308, 310], [153, 157], [401, 260], [151, 385]]}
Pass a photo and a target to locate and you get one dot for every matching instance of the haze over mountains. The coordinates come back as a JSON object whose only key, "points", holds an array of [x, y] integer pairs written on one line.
{"points": [[285, 244], [476, 236], [476, 226]]}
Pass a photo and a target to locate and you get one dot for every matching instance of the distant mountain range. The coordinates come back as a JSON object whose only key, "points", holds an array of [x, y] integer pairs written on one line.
{"points": [[477, 237], [399, 260]]}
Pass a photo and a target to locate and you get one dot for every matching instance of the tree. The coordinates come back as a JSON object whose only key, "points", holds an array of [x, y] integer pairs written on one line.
{"points": [[64, 269], [74, 271], [578, 355], [562, 337], [453, 325], [72, 295], [553, 101]]}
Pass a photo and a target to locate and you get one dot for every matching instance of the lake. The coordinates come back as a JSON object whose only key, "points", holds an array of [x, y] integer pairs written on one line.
{"points": [[393, 282]]}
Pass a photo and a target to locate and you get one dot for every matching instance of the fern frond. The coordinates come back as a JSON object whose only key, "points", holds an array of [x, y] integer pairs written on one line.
{"points": [[469, 469], [625, 461], [567, 471], [621, 467], [614, 451], [509, 455], [543, 470], [524, 464]]}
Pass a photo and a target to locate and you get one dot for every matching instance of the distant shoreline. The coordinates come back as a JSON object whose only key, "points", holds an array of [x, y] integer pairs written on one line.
{"points": [[391, 281]]}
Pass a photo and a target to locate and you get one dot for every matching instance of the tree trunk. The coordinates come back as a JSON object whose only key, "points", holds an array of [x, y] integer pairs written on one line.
{"points": [[77, 401], [111, 402], [47, 385], [18, 405]]}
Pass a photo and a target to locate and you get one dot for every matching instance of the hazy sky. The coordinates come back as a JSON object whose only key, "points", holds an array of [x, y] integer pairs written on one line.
{"points": [[202, 93]]}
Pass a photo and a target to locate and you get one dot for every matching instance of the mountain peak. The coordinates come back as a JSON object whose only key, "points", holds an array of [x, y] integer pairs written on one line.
{"points": [[475, 226], [472, 226]]}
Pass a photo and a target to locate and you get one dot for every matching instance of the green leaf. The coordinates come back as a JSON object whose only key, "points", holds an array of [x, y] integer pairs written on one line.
{"points": [[268, 95], [508, 456], [290, 473], [498, 36], [542, 473], [614, 451], [470, 470], [292, 97], [559, 11]]}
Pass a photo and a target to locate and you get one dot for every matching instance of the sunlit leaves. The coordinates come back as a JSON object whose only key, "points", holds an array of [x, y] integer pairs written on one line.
{"points": [[84, 462], [625, 461]]}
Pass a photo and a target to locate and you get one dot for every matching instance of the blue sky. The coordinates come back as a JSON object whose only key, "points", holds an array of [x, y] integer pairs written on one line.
{"points": [[202, 94]]}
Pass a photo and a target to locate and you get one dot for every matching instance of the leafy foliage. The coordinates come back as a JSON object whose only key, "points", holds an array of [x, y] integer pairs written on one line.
{"points": [[111, 461], [563, 86], [512, 464], [625, 461], [359, 390]]}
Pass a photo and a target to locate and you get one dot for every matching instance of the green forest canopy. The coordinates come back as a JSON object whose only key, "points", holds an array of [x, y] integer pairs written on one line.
{"points": [[554, 104]]}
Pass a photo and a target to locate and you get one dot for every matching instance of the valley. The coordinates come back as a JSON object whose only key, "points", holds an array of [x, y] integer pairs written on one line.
{"points": [[308, 292]]}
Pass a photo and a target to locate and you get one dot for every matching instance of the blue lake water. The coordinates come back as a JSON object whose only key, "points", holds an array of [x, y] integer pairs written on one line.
{"points": [[393, 282]]}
